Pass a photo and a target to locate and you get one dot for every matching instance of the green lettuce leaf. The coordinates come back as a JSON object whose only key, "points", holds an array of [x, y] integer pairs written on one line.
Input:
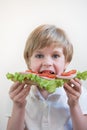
{"points": [[82, 75], [49, 85]]}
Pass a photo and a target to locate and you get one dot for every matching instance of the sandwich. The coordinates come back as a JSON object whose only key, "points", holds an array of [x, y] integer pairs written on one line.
{"points": [[46, 80]]}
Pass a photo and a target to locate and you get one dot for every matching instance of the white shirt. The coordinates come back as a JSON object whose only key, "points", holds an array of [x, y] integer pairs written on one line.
{"points": [[50, 114]]}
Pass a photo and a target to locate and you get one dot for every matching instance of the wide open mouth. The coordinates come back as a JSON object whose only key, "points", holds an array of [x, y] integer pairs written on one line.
{"points": [[47, 71], [49, 74]]}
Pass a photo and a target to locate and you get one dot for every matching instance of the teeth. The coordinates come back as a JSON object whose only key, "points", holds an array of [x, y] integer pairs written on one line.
{"points": [[49, 71], [52, 72]]}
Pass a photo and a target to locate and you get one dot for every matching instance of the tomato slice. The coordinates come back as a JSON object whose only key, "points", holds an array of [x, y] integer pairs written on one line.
{"points": [[47, 75], [68, 73], [44, 74], [31, 71]]}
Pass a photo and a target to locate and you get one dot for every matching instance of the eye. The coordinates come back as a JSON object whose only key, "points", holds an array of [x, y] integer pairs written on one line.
{"points": [[56, 56], [39, 55]]}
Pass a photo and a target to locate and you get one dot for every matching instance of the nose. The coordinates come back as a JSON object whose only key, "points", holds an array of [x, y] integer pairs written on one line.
{"points": [[47, 62]]}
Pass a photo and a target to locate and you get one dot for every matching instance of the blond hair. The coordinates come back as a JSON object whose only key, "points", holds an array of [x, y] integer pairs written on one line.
{"points": [[45, 35]]}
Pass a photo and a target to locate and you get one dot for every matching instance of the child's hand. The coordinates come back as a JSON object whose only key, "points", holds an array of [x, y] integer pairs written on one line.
{"points": [[73, 91], [18, 93]]}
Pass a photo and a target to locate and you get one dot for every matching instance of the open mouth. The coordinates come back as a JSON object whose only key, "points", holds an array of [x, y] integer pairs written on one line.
{"points": [[49, 74], [47, 71]]}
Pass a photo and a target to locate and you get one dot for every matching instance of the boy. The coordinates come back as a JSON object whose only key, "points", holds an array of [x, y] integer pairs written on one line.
{"points": [[47, 49]]}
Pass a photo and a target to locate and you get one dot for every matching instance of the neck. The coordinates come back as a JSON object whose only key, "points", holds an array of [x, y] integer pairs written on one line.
{"points": [[44, 93]]}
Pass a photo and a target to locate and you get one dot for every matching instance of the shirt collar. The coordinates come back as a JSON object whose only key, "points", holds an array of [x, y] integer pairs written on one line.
{"points": [[35, 94]]}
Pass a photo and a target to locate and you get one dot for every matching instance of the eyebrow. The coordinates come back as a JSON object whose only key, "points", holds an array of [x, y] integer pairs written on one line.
{"points": [[58, 52], [38, 51], [54, 51]]}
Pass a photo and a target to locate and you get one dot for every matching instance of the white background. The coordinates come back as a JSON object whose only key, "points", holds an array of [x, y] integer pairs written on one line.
{"points": [[19, 17]]}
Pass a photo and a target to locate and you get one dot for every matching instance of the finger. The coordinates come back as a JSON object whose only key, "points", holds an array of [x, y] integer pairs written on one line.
{"points": [[71, 90], [76, 84], [14, 86], [16, 91], [22, 94], [78, 80], [23, 98], [72, 99]]}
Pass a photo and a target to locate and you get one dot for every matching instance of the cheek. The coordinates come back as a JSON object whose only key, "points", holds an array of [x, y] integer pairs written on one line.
{"points": [[60, 67], [34, 65]]}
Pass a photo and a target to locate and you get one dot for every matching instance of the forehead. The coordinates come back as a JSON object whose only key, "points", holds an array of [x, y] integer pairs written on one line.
{"points": [[51, 48]]}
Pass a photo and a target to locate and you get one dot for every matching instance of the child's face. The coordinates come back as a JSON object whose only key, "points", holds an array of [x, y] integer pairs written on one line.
{"points": [[48, 59]]}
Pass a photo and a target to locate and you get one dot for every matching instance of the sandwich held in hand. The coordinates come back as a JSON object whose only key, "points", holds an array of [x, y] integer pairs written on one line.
{"points": [[46, 80]]}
